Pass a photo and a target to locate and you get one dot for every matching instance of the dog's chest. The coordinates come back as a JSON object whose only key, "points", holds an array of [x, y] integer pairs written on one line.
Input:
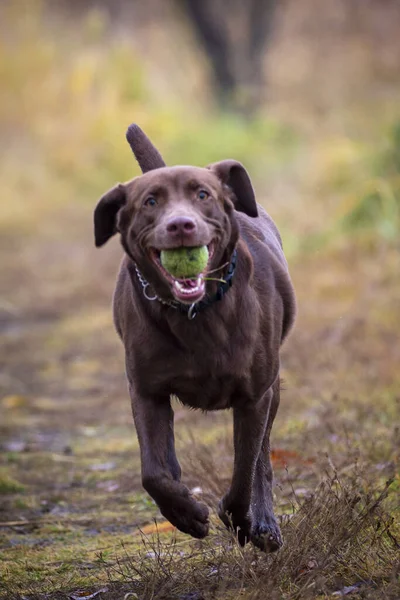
{"points": [[207, 373], [214, 393]]}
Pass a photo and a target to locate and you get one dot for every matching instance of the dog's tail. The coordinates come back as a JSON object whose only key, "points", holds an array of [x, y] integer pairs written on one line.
{"points": [[147, 156]]}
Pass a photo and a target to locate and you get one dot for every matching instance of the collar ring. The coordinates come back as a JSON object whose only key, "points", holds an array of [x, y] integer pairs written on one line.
{"points": [[145, 294]]}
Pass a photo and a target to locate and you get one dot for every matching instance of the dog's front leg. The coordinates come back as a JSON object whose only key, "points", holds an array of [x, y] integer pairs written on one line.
{"points": [[249, 426], [160, 469]]}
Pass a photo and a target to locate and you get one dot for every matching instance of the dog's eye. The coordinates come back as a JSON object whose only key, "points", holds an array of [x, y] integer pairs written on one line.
{"points": [[203, 195], [150, 201]]}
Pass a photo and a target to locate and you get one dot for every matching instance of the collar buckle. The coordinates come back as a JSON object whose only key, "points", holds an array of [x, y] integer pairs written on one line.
{"points": [[192, 312]]}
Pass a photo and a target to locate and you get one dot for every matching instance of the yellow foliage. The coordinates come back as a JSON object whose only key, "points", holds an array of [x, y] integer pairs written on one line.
{"points": [[68, 95], [14, 401]]}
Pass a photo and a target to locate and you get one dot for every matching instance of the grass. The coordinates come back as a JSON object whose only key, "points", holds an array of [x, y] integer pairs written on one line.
{"points": [[71, 503]]}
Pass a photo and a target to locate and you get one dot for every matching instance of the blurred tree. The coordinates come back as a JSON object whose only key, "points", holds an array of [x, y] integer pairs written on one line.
{"points": [[311, 55], [234, 36]]}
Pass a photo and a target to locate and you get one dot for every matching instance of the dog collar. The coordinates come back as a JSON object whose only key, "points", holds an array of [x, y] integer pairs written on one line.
{"points": [[193, 309]]}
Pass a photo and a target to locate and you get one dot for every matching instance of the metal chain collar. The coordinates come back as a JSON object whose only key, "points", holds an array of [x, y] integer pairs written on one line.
{"points": [[145, 284]]}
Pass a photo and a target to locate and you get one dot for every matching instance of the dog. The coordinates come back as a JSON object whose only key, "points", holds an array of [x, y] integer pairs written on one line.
{"points": [[212, 341]]}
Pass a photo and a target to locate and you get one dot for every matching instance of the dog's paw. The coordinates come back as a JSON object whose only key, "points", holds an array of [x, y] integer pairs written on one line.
{"points": [[188, 515], [235, 517], [266, 535]]}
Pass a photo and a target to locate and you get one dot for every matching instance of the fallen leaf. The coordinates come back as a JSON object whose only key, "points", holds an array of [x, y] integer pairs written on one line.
{"points": [[14, 401], [83, 595], [281, 457], [162, 527]]}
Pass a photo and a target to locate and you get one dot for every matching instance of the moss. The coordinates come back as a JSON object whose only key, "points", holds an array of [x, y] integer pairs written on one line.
{"points": [[9, 485]]}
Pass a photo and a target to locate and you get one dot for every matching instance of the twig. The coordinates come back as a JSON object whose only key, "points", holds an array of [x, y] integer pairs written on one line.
{"points": [[16, 523]]}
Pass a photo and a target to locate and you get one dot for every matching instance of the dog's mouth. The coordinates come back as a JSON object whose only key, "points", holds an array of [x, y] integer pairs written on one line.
{"points": [[186, 290]]}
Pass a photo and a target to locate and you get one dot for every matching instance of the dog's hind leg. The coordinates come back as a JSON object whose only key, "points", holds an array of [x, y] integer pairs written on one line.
{"points": [[265, 532], [250, 420]]}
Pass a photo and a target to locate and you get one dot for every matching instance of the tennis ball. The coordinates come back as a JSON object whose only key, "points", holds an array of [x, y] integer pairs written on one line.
{"points": [[185, 263]]}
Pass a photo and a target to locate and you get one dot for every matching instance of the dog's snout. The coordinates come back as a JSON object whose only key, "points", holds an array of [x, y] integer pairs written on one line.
{"points": [[181, 226]]}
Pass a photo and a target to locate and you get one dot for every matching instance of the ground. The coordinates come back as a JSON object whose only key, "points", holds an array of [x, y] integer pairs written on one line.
{"points": [[72, 505]]}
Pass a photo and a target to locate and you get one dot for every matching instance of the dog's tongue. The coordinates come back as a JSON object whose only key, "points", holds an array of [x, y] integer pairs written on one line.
{"points": [[189, 290], [189, 283]]}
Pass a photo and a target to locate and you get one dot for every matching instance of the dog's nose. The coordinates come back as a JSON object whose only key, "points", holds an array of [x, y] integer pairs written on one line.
{"points": [[181, 226]]}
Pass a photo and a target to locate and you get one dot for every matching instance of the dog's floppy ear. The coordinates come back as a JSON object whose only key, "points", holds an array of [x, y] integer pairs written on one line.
{"points": [[105, 214], [235, 176]]}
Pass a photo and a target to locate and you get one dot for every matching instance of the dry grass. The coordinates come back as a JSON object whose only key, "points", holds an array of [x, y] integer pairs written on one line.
{"points": [[331, 540]]}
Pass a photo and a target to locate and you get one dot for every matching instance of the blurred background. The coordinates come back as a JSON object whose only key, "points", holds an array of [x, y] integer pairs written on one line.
{"points": [[304, 93]]}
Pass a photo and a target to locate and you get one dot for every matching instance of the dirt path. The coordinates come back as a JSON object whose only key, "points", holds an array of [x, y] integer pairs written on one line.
{"points": [[71, 501]]}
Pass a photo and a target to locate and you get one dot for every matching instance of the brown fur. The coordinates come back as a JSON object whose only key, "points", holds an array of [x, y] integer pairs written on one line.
{"points": [[226, 357]]}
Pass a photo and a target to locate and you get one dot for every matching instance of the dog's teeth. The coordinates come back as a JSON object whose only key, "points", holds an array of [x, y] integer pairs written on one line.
{"points": [[189, 290]]}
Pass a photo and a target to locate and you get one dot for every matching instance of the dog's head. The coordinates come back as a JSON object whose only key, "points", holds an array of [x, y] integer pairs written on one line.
{"points": [[170, 207]]}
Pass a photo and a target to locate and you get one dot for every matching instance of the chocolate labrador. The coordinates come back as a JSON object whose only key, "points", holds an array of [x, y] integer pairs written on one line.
{"points": [[213, 340]]}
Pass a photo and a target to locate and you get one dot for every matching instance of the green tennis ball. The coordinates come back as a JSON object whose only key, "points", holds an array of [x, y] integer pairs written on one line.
{"points": [[185, 263]]}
